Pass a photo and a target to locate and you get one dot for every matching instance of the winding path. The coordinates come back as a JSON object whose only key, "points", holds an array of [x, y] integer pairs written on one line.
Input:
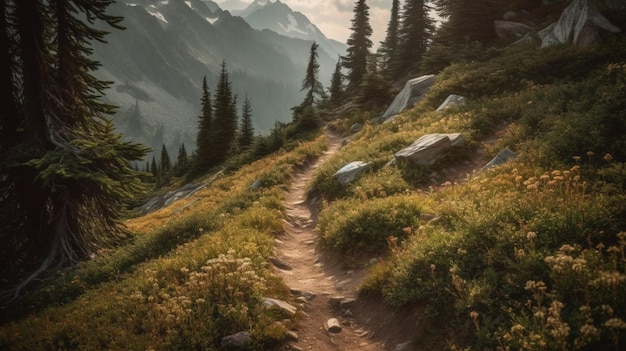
{"points": [[320, 280]]}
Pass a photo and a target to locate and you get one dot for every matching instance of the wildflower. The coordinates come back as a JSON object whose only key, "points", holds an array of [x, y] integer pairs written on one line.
{"points": [[589, 153], [531, 236], [615, 323], [474, 315], [608, 157], [576, 158]]}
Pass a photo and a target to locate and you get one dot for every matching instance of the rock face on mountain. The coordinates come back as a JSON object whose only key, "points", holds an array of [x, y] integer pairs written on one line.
{"points": [[413, 91], [278, 17], [157, 65]]}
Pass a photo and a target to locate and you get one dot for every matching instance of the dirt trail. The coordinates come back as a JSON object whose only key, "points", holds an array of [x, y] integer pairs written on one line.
{"points": [[366, 324]]}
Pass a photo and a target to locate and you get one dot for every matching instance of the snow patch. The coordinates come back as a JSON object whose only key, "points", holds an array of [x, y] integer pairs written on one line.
{"points": [[158, 15], [292, 26], [189, 4], [212, 20]]}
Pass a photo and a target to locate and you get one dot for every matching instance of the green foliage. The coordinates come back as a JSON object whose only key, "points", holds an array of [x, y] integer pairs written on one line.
{"points": [[357, 227]]}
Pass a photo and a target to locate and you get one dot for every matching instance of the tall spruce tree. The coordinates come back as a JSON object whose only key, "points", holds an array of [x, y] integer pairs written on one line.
{"points": [[165, 165], [182, 161], [336, 86], [389, 47], [416, 30], [205, 137], [65, 175], [311, 82], [246, 132], [224, 117], [359, 44]]}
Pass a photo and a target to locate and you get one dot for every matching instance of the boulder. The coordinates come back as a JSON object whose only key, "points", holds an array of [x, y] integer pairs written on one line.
{"points": [[279, 304], [429, 148], [510, 29], [355, 128], [160, 201], [579, 24], [450, 101], [502, 157], [413, 91], [236, 341], [350, 172]]}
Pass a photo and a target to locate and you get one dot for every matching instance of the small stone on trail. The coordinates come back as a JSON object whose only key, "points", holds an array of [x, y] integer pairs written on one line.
{"points": [[335, 301], [278, 263], [291, 336], [333, 326], [347, 303]]}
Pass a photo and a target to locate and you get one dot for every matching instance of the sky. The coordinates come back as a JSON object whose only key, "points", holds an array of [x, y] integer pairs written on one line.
{"points": [[332, 17]]}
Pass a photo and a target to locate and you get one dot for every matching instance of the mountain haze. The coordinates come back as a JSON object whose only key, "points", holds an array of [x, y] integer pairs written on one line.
{"points": [[157, 65]]}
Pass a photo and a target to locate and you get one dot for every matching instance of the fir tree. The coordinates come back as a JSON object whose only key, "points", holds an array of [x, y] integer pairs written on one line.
{"points": [[359, 44], [415, 32], [225, 117], [389, 47], [165, 165], [336, 86], [311, 83], [134, 124], [66, 176], [181, 166], [205, 138], [246, 132], [374, 91]]}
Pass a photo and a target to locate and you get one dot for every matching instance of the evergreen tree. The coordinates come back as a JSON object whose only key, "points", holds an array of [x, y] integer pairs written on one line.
{"points": [[389, 48], [311, 82], [359, 44], [154, 169], [457, 30], [205, 138], [165, 165], [336, 86], [374, 91], [246, 132], [65, 176], [181, 166], [225, 117], [415, 32], [134, 126]]}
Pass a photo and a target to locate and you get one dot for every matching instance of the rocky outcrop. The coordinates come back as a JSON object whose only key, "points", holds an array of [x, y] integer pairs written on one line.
{"points": [[579, 24], [350, 172], [502, 157], [413, 91], [451, 101], [429, 148]]}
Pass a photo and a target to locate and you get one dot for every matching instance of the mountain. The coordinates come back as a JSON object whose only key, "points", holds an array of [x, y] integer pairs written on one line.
{"points": [[157, 64], [280, 18]]}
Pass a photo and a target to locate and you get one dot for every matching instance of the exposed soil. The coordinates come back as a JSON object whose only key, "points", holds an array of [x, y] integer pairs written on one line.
{"points": [[319, 278]]}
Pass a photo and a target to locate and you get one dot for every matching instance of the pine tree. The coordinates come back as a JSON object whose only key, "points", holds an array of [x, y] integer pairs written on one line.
{"points": [[225, 117], [181, 166], [165, 165], [311, 83], [374, 91], [246, 132], [389, 47], [66, 176], [336, 86], [359, 44], [205, 138], [416, 30]]}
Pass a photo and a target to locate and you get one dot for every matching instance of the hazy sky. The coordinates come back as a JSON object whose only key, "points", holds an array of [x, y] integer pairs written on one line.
{"points": [[332, 17]]}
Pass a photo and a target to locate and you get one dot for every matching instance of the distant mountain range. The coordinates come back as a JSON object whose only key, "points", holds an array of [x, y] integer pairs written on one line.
{"points": [[157, 64]]}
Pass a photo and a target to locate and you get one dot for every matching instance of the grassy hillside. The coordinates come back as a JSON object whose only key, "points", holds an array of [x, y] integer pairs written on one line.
{"points": [[529, 255]]}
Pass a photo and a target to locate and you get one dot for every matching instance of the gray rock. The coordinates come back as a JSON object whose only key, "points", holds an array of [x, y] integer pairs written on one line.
{"points": [[502, 157], [451, 101], [333, 325], [579, 24], [279, 304], [347, 303], [404, 346], [350, 172], [412, 93], [278, 263], [291, 336], [237, 340], [429, 148], [355, 128], [335, 301]]}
